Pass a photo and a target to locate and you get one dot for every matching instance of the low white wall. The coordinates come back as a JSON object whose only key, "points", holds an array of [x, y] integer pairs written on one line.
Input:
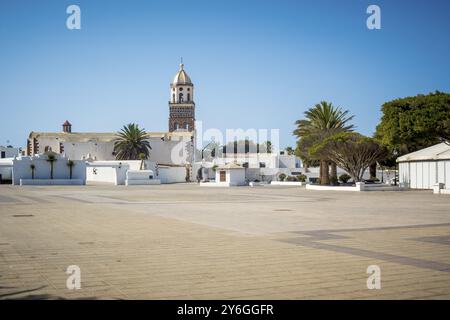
{"points": [[358, 187], [22, 169], [6, 171], [142, 182], [171, 174], [140, 177], [51, 182], [102, 174], [287, 183]]}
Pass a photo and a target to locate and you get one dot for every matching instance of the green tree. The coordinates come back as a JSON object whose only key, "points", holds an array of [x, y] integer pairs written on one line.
{"points": [[352, 152], [131, 142], [414, 123], [321, 121]]}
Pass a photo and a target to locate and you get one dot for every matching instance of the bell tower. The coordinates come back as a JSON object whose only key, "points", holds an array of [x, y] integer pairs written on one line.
{"points": [[181, 104]]}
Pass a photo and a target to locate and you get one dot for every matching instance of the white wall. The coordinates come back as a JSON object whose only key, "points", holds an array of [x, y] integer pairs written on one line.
{"points": [[171, 174], [22, 170], [96, 150], [424, 174], [9, 152]]}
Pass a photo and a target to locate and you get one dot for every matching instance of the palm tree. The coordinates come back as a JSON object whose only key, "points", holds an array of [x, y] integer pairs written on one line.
{"points": [[70, 164], [322, 121], [142, 156], [289, 151], [131, 141], [33, 168], [51, 157]]}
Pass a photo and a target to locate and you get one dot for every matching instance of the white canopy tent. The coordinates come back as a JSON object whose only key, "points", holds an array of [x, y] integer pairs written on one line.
{"points": [[425, 168]]}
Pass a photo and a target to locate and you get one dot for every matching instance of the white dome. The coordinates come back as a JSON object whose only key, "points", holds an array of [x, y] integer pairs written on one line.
{"points": [[181, 77]]}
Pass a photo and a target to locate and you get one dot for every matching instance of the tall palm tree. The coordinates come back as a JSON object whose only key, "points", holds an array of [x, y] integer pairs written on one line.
{"points": [[131, 142], [322, 121]]}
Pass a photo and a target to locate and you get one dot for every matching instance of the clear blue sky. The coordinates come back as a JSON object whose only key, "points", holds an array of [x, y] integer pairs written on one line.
{"points": [[255, 64]]}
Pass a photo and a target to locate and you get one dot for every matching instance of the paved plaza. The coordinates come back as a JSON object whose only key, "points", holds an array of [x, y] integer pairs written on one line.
{"points": [[185, 242]]}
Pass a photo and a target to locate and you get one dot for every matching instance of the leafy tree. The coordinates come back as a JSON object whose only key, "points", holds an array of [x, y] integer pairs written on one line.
{"points": [[322, 121], [351, 151], [414, 123], [131, 142], [281, 176]]}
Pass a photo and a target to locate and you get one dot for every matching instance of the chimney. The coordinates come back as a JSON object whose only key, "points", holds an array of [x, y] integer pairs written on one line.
{"points": [[67, 127]]}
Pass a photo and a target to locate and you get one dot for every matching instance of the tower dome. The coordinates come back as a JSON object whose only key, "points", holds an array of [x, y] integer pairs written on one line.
{"points": [[181, 78]]}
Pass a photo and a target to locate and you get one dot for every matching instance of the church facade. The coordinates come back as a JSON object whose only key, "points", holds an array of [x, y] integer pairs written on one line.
{"points": [[176, 146]]}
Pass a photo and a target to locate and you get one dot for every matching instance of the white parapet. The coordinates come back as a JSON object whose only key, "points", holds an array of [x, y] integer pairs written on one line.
{"points": [[142, 182], [51, 182], [360, 186], [140, 177], [287, 183]]}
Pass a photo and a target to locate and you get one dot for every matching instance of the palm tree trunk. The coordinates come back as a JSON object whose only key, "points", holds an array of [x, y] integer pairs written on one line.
{"points": [[325, 176], [51, 170], [70, 173], [333, 175]]}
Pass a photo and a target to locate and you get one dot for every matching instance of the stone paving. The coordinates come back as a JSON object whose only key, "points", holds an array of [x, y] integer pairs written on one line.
{"points": [[186, 242]]}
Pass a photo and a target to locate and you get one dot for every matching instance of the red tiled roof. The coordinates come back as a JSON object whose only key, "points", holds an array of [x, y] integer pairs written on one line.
{"points": [[67, 123]]}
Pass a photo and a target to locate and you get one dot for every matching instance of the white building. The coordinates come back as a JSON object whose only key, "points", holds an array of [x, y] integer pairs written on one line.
{"points": [[8, 152], [174, 147], [425, 168]]}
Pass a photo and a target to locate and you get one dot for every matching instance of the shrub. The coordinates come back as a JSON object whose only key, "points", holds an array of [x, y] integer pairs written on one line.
{"points": [[344, 178], [302, 178], [291, 178], [281, 176]]}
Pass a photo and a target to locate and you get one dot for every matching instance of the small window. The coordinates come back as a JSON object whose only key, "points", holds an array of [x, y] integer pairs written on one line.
{"points": [[262, 164], [181, 89], [3, 154]]}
